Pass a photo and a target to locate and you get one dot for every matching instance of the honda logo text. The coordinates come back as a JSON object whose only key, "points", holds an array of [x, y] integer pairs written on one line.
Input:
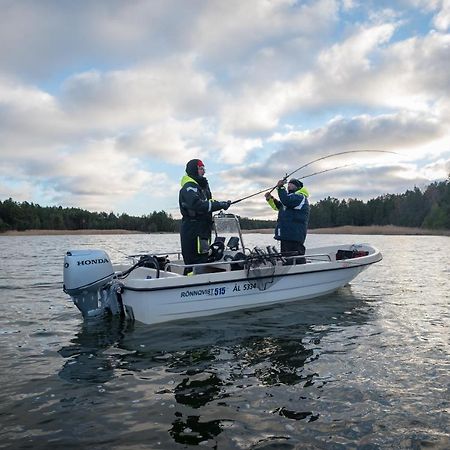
{"points": [[88, 262]]}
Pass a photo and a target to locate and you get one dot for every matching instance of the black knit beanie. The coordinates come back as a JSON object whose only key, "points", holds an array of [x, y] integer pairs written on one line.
{"points": [[192, 170], [192, 167], [296, 182]]}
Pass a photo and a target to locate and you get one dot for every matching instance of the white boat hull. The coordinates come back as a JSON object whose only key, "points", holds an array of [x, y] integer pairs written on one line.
{"points": [[154, 289], [161, 300]]}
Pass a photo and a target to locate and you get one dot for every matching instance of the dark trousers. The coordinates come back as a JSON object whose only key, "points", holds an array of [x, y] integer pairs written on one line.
{"points": [[293, 248], [195, 239]]}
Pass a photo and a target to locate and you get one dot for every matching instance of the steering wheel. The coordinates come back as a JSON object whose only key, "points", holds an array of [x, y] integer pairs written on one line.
{"points": [[216, 251]]}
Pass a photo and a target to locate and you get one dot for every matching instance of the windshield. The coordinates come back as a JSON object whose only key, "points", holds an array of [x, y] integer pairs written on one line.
{"points": [[226, 226]]}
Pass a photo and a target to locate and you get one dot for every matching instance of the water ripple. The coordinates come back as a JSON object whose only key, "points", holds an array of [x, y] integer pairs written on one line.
{"points": [[366, 367]]}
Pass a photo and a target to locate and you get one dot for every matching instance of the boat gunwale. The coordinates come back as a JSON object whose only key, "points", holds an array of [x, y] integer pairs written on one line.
{"points": [[236, 280]]}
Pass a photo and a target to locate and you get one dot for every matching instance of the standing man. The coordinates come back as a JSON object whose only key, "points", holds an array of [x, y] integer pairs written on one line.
{"points": [[196, 207], [293, 216]]}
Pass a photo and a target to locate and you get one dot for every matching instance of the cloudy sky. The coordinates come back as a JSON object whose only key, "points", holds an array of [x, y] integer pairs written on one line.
{"points": [[103, 102]]}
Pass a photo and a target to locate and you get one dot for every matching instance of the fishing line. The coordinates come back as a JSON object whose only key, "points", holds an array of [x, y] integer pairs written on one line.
{"points": [[327, 170], [317, 173], [337, 154], [303, 177], [330, 156]]}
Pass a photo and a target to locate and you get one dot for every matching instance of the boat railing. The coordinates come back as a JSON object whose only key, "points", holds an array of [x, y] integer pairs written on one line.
{"points": [[226, 265], [139, 255]]}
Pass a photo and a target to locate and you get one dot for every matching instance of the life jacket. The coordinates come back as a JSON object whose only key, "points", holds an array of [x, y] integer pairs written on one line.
{"points": [[292, 220], [194, 201]]}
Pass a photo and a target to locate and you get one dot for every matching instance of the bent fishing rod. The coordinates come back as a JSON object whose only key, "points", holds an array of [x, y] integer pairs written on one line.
{"points": [[316, 173], [306, 176]]}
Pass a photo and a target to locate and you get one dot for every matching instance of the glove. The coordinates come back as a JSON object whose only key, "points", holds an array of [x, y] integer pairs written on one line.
{"points": [[225, 205], [216, 206], [281, 183], [268, 196]]}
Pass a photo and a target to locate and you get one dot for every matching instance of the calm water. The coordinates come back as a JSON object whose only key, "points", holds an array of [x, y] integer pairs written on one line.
{"points": [[366, 367]]}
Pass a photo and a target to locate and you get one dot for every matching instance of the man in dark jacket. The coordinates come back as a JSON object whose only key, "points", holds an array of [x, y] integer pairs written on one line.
{"points": [[196, 207], [293, 216]]}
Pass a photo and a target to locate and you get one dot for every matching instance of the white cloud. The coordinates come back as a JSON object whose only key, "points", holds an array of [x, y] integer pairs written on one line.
{"points": [[234, 149], [440, 8], [99, 176], [442, 18], [417, 70], [234, 30], [38, 39], [400, 131], [349, 4], [169, 140], [139, 95], [415, 137], [29, 119], [99, 101], [18, 190], [352, 58]]}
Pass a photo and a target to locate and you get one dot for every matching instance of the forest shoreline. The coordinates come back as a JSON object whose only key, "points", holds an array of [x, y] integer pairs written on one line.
{"points": [[347, 229]]}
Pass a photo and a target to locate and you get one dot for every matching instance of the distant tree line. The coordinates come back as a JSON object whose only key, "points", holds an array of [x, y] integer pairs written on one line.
{"points": [[29, 216], [428, 209]]}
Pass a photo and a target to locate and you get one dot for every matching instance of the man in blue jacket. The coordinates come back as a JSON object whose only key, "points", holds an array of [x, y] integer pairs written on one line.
{"points": [[196, 207], [293, 216]]}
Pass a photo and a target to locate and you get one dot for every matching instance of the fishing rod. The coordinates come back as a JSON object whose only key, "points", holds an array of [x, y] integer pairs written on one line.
{"points": [[330, 156], [312, 162], [327, 170], [306, 176]]}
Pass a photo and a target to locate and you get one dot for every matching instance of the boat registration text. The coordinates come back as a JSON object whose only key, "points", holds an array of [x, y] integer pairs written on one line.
{"points": [[214, 292]]}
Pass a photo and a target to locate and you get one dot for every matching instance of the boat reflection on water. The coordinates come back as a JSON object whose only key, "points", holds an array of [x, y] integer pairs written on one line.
{"points": [[87, 360], [216, 362]]}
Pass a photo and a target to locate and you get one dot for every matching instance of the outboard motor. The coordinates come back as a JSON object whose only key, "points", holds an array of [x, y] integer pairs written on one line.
{"points": [[86, 272]]}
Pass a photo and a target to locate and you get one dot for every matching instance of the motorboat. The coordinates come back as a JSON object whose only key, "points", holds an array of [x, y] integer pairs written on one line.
{"points": [[154, 288]]}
